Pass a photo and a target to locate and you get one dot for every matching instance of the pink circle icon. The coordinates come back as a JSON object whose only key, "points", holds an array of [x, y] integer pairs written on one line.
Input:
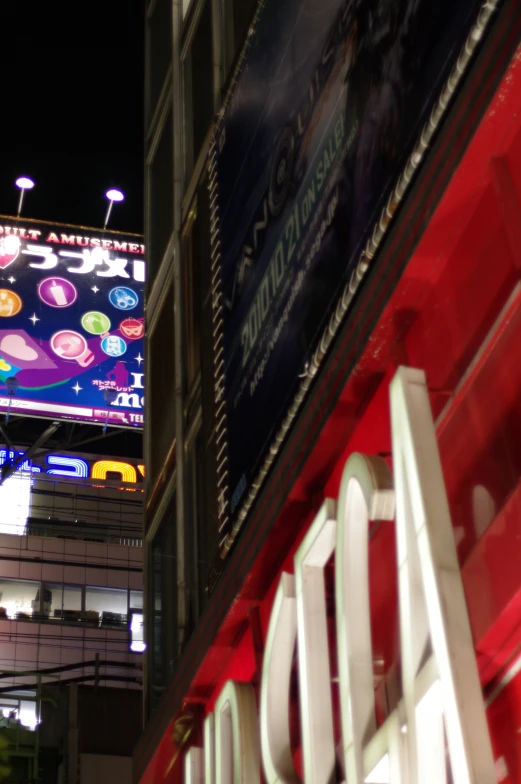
{"points": [[68, 344], [57, 292]]}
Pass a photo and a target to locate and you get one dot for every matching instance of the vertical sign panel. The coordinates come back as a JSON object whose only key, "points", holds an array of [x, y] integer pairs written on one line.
{"points": [[329, 102]]}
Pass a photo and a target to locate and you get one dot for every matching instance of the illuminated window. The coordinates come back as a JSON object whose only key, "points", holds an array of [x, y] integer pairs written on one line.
{"points": [[15, 498], [110, 604], [62, 602], [137, 642], [19, 598]]}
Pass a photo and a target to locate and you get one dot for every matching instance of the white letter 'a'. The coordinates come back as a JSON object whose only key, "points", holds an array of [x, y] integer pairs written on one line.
{"points": [[432, 601]]}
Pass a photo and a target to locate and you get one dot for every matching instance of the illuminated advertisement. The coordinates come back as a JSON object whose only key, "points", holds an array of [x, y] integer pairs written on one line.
{"points": [[71, 322], [76, 466]]}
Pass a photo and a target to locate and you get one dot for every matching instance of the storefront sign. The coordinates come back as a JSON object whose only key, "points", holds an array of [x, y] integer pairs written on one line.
{"points": [[442, 697], [330, 99], [75, 467], [71, 322]]}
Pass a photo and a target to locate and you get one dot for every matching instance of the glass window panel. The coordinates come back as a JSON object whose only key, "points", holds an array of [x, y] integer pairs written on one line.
{"points": [[109, 603], [62, 602], [159, 50], [136, 600], [237, 16], [19, 598], [198, 87]]}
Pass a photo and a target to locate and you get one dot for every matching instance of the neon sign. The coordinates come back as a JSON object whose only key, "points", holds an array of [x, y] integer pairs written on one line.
{"points": [[77, 468], [442, 702]]}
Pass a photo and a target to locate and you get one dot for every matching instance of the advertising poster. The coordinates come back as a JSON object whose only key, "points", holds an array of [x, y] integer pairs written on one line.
{"points": [[330, 100], [71, 322]]}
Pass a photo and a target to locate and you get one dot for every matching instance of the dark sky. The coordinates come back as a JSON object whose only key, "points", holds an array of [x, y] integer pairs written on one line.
{"points": [[72, 106]]}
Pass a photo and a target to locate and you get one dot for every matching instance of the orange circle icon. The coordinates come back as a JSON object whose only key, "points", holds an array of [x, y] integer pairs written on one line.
{"points": [[10, 303]]}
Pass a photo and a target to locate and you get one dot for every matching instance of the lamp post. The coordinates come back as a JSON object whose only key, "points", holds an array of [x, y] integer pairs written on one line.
{"points": [[11, 385], [112, 195], [25, 184]]}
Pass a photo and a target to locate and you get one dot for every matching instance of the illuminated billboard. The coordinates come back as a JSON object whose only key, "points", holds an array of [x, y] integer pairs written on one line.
{"points": [[72, 322]]}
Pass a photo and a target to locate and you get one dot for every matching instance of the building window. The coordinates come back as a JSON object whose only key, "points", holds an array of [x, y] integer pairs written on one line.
{"points": [[161, 199], [108, 604], [61, 602], [136, 600], [159, 50], [162, 609], [161, 408], [19, 598], [199, 89], [237, 16], [196, 571]]}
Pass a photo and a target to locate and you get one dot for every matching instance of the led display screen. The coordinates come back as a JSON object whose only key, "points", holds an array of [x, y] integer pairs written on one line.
{"points": [[71, 322]]}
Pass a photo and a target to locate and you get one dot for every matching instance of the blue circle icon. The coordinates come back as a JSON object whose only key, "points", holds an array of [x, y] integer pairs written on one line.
{"points": [[123, 298], [113, 346]]}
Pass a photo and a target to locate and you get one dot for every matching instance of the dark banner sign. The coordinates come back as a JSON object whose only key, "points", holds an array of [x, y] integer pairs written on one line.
{"points": [[330, 100], [71, 322]]}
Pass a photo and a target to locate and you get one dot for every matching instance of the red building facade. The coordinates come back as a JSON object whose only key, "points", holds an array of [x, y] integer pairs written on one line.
{"points": [[445, 298]]}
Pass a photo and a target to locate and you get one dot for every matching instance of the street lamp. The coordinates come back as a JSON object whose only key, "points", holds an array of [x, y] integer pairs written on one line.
{"points": [[25, 184], [112, 195]]}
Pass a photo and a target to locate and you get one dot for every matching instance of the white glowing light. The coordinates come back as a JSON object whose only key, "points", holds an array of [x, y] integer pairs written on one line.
{"points": [[114, 195], [15, 495], [25, 183]]}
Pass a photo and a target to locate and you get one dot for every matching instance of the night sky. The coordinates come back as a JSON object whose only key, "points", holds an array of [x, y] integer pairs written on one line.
{"points": [[73, 109]]}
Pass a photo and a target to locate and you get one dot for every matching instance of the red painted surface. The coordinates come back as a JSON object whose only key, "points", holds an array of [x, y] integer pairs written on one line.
{"points": [[456, 312]]}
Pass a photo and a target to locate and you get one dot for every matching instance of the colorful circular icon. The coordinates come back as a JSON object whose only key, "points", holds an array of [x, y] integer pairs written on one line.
{"points": [[10, 303], [95, 322], [68, 344], [132, 328], [113, 345], [123, 298], [57, 292]]}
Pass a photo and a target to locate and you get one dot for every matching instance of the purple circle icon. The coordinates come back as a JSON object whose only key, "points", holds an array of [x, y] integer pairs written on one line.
{"points": [[57, 292]]}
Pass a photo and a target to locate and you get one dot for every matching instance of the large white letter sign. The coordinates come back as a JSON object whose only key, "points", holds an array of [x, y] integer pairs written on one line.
{"points": [[432, 601], [275, 684], [366, 493], [318, 741], [237, 756]]}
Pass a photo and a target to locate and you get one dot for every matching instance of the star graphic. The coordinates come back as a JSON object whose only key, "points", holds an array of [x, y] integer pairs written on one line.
{"points": [[77, 388], [95, 289], [34, 318], [11, 279], [139, 359]]}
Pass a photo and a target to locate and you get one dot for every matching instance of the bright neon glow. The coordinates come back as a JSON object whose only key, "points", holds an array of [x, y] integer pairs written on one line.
{"points": [[27, 714], [114, 195], [78, 467], [15, 498], [102, 468], [136, 629], [25, 183], [25, 466]]}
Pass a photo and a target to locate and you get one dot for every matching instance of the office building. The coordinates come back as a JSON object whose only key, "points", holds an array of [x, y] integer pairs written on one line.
{"points": [[71, 500]]}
